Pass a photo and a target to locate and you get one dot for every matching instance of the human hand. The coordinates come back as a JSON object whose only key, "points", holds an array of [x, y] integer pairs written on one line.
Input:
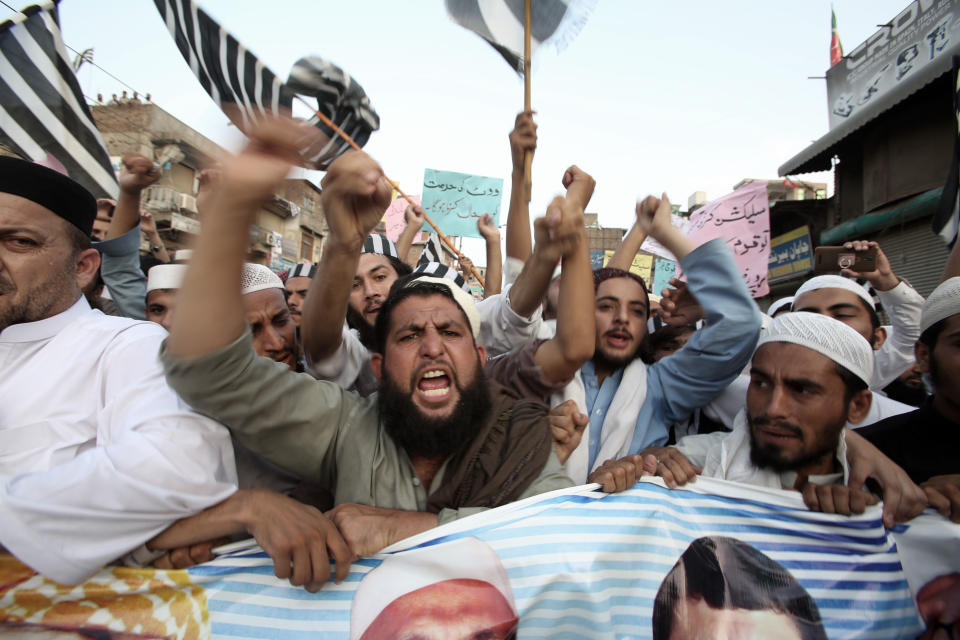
{"points": [[488, 229], [882, 278], [208, 181], [414, 216], [355, 194], [671, 465], [653, 216], [147, 224], [368, 529], [939, 605], [298, 537], [943, 494], [523, 138], [836, 498], [566, 425], [619, 475], [466, 266], [902, 499], [189, 556], [678, 306], [252, 176], [579, 185], [137, 172], [560, 232]]}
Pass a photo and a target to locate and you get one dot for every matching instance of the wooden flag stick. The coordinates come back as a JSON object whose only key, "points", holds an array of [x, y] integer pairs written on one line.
{"points": [[527, 156], [440, 234]]}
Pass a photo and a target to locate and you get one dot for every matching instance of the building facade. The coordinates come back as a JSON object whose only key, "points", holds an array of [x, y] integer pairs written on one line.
{"points": [[289, 229]]}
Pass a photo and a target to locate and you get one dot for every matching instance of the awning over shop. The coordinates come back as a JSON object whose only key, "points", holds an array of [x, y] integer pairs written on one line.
{"points": [[817, 156], [915, 207]]}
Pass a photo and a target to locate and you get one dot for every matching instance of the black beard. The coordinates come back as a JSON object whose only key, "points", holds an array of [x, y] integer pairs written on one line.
{"points": [[770, 457], [368, 336], [425, 437], [602, 361]]}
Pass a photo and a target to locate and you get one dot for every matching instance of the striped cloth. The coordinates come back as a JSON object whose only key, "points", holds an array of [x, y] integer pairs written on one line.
{"points": [[340, 98], [438, 270], [500, 23], [245, 89], [432, 250], [380, 244], [43, 115], [583, 564], [946, 221]]}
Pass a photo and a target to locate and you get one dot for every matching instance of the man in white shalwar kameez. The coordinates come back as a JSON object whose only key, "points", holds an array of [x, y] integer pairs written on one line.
{"points": [[97, 453]]}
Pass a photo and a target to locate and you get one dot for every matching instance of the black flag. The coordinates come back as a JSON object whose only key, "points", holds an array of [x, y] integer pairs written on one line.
{"points": [[43, 115]]}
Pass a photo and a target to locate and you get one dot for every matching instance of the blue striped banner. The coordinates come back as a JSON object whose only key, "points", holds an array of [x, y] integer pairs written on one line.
{"points": [[589, 565]]}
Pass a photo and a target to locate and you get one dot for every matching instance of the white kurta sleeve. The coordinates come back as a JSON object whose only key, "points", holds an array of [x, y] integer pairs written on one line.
{"points": [[904, 306], [348, 367], [501, 328], [152, 461]]}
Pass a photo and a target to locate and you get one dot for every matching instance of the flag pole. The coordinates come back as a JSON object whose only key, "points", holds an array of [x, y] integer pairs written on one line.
{"points": [[343, 134], [528, 156]]}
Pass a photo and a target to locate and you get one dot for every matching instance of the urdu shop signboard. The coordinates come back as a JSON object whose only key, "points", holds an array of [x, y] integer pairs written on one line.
{"points": [[791, 254], [917, 42]]}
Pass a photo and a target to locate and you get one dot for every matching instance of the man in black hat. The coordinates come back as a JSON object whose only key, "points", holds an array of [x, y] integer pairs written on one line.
{"points": [[98, 454]]}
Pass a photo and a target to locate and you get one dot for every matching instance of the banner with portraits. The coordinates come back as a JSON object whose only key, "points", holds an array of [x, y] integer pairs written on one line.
{"points": [[645, 563]]}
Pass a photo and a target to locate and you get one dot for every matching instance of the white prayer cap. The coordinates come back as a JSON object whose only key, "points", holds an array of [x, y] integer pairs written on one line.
{"points": [[257, 277], [406, 571], [825, 335], [165, 276], [461, 297], [778, 305], [942, 303], [835, 282]]}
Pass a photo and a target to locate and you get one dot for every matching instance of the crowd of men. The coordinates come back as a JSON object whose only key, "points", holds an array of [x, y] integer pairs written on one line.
{"points": [[367, 398]]}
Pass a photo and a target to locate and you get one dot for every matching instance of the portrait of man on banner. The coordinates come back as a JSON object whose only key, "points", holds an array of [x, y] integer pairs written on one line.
{"points": [[724, 588], [455, 589]]}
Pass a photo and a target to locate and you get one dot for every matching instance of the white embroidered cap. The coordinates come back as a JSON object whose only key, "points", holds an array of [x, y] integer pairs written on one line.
{"points": [[824, 335], [835, 282], [942, 303], [408, 571], [257, 277], [779, 305], [165, 276], [461, 297]]}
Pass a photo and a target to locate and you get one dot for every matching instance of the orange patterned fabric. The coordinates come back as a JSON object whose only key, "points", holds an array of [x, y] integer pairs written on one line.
{"points": [[126, 602]]}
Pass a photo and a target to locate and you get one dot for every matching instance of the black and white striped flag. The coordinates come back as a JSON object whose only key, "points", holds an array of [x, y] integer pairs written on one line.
{"points": [[432, 250], [946, 222], [500, 23], [43, 115], [245, 89], [340, 98]]}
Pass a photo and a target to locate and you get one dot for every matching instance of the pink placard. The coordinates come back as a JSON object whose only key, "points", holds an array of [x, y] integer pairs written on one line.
{"points": [[393, 217], [742, 219]]}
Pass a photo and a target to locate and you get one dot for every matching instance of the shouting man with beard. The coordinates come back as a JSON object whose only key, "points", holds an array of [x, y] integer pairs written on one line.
{"points": [[440, 442]]}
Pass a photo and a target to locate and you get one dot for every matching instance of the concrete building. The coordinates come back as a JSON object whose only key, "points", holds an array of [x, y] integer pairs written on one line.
{"points": [[891, 139], [288, 230]]}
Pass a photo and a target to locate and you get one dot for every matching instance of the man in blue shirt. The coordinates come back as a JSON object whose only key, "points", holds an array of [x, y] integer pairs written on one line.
{"points": [[631, 405]]}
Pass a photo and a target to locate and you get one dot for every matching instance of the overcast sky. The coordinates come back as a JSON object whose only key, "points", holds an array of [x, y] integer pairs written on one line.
{"points": [[650, 97]]}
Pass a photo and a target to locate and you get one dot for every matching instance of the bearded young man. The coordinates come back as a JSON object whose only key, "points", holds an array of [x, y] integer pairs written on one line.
{"points": [[440, 443], [631, 405], [296, 286], [90, 431], [809, 377], [924, 442]]}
